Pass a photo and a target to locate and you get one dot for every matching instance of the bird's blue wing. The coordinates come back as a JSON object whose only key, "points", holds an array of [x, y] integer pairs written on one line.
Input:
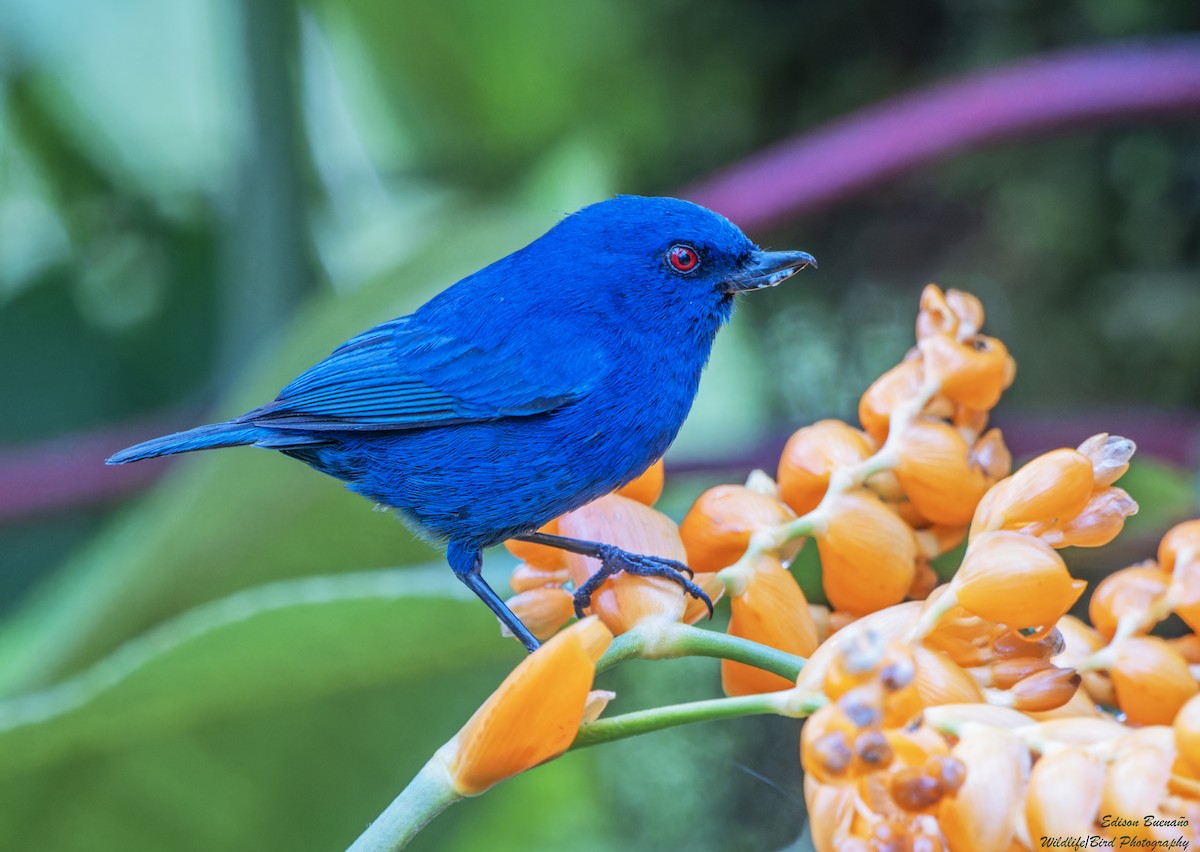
{"points": [[403, 375]]}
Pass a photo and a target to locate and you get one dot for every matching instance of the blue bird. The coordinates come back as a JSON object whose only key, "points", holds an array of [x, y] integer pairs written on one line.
{"points": [[538, 384]]}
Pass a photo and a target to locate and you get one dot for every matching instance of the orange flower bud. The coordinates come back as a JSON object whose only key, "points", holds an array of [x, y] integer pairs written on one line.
{"points": [[539, 555], [767, 607], [1133, 597], [597, 700], [1045, 690], [1099, 688], [647, 488], [623, 600], [1079, 639], [972, 373], [1100, 521], [1010, 644], [822, 619], [982, 816], [1065, 789], [716, 530], [830, 812], [525, 577], [1110, 455], [935, 315], [534, 714], [811, 455], [1151, 679], [970, 424], [991, 455], [1006, 673], [905, 509], [1052, 488], [867, 553], [1015, 580], [899, 384], [963, 636], [1188, 646], [1183, 595], [954, 313], [1079, 706], [1137, 780], [542, 610], [1182, 541], [937, 471], [940, 680], [969, 311]]}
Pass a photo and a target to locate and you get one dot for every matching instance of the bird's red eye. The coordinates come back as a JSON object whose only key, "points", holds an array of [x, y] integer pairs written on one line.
{"points": [[683, 258]]}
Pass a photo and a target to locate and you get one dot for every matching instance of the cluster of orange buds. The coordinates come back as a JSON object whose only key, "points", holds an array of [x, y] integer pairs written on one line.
{"points": [[627, 520], [1012, 573], [1117, 760], [968, 659], [882, 501], [1094, 780], [936, 459], [1149, 679], [875, 778], [766, 603], [879, 502]]}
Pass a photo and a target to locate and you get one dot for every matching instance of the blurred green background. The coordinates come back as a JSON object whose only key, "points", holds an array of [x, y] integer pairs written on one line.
{"points": [[200, 199]]}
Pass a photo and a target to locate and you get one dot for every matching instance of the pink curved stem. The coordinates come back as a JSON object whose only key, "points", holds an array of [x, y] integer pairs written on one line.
{"points": [[1073, 88]]}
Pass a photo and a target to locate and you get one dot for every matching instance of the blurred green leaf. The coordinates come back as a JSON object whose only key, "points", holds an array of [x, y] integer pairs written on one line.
{"points": [[219, 723], [224, 521], [1165, 496], [283, 643]]}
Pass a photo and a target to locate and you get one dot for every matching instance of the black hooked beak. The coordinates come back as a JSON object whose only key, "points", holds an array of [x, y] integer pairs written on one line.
{"points": [[768, 268]]}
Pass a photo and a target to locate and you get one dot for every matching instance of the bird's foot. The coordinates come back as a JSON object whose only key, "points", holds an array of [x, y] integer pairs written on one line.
{"points": [[613, 560]]}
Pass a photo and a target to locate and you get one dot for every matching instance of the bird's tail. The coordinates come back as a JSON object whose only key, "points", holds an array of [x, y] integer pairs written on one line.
{"points": [[228, 434]]}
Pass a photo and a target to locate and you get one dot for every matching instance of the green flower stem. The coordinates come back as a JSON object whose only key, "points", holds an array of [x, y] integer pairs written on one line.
{"points": [[426, 796], [657, 641], [792, 530], [789, 702], [627, 646]]}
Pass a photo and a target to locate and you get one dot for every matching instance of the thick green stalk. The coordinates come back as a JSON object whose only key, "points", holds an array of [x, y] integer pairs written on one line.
{"points": [[426, 796], [789, 702], [658, 641]]}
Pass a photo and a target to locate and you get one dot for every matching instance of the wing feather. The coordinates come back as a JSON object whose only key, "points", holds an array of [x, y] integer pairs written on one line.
{"points": [[400, 375]]}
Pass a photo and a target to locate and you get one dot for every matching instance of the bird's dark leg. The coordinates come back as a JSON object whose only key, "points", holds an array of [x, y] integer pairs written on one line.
{"points": [[614, 559], [467, 562]]}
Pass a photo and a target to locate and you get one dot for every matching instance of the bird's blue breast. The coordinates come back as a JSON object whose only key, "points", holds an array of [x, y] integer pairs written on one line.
{"points": [[488, 481]]}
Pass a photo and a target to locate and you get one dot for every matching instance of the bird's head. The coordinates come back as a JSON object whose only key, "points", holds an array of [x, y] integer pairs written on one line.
{"points": [[673, 253]]}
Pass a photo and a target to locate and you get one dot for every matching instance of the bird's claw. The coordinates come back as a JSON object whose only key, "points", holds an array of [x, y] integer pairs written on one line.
{"points": [[614, 560]]}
